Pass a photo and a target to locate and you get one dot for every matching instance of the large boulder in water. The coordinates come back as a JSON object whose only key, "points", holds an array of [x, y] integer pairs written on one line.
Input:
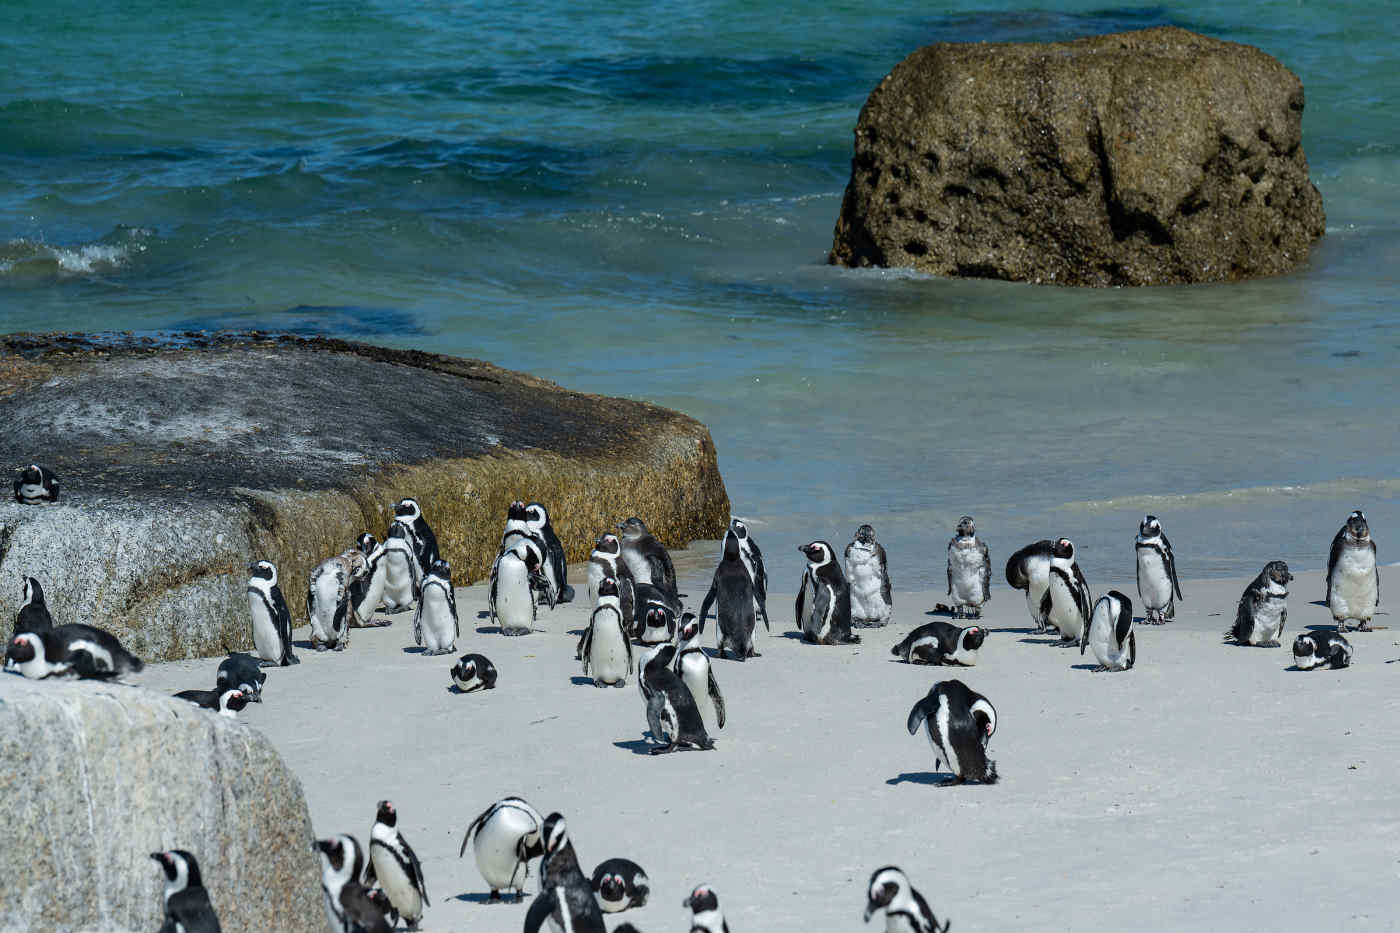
{"points": [[1136, 158], [97, 776], [184, 459]]}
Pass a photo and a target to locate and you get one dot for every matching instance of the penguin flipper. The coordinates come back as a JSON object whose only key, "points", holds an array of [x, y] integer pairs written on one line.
{"points": [[761, 599], [800, 609], [716, 698], [918, 715], [709, 600], [541, 909]]}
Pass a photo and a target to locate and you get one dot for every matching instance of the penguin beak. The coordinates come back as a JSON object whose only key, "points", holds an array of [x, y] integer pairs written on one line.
{"points": [[869, 909]]}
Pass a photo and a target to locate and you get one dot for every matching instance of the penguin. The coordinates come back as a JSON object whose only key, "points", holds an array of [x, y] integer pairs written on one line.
{"points": [[753, 560], [620, 884], [959, 724], [410, 525], [646, 557], [1066, 603], [1156, 572], [1353, 579], [226, 701], [566, 898], [905, 909], [693, 668], [655, 657], [435, 624], [556, 564], [1263, 608], [656, 615], [868, 579], [33, 615], [606, 649], [824, 599], [187, 906], [328, 599], [395, 866], [672, 713], [505, 837], [705, 916], [732, 595], [272, 621], [402, 574], [348, 905], [606, 561], [242, 671], [511, 597], [1312, 650], [940, 642], [474, 672], [1110, 633], [367, 593], [80, 650], [969, 571], [36, 484], [1029, 569]]}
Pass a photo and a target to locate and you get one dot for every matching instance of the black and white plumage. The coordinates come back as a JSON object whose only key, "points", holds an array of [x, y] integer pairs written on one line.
{"points": [[348, 905], [606, 561], [969, 571], [732, 595], [328, 599], [620, 884], [657, 612], [705, 915], [905, 909], [1110, 633], [693, 667], [1353, 577], [226, 701], [646, 557], [606, 649], [556, 563], [1156, 572], [753, 560], [1029, 569], [1262, 612], [367, 593], [410, 525], [654, 657], [566, 898], [959, 723], [403, 576], [672, 713], [505, 837], [36, 484], [1312, 650], [33, 615], [940, 642], [272, 620], [187, 905], [1066, 603], [435, 623], [868, 579], [823, 599], [75, 649], [515, 578], [395, 866], [242, 671], [474, 672]]}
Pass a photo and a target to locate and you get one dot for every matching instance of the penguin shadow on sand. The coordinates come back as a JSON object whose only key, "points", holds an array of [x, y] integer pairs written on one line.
{"points": [[927, 778], [413, 649], [635, 746], [481, 897]]}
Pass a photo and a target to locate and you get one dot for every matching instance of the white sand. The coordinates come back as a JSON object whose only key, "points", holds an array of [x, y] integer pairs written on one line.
{"points": [[1209, 788]]}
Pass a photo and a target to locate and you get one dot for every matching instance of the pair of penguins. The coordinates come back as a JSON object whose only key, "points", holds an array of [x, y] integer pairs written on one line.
{"points": [[348, 880], [237, 682], [38, 648], [529, 561]]}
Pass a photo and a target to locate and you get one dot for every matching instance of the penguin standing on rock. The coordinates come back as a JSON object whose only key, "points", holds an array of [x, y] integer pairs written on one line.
{"points": [[1312, 650], [824, 599], [272, 621], [566, 898], [33, 615], [694, 669], [504, 837], [940, 642], [36, 484], [410, 525], [753, 560], [242, 671], [348, 904], [187, 906], [435, 624], [959, 723], [1353, 580], [395, 866], [1110, 633], [731, 592], [868, 578], [1156, 572], [1029, 569], [705, 915], [1066, 603], [83, 651], [606, 561], [646, 557], [905, 909], [969, 571], [620, 884], [1262, 612], [474, 672]]}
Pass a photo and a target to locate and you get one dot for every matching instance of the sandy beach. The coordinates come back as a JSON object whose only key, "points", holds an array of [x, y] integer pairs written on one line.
{"points": [[1209, 788]]}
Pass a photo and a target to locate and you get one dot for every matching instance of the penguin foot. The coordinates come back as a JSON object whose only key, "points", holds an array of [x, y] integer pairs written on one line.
{"points": [[1101, 668], [661, 749]]}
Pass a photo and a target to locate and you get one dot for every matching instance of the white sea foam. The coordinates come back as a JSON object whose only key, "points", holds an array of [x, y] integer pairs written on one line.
{"points": [[36, 256]]}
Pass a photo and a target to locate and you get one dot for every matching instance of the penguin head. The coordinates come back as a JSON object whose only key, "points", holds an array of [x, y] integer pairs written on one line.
{"points": [[972, 637], [1277, 571], [555, 834], [386, 814], [1357, 527], [966, 527], [516, 511], [659, 616], [633, 528], [264, 570], [1063, 549], [407, 511], [181, 870], [741, 531], [527, 555], [1303, 646], [985, 715], [1150, 527], [731, 547], [32, 474], [612, 887], [341, 857], [865, 534], [24, 647], [607, 544], [608, 587], [366, 543], [701, 900], [885, 884], [465, 669], [232, 698], [441, 568], [536, 515], [33, 593], [818, 552]]}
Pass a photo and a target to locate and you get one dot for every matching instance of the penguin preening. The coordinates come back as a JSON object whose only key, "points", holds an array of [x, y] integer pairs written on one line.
{"points": [[242, 671], [969, 571], [367, 592], [1262, 612], [1156, 572], [226, 701], [75, 649], [328, 599], [36, 484], [1029, 569], [753, 560], [959, 723], [732, 595], [566, 898], [187, 906], [705, 915], [410, 525], [940, 642], [620, 884], [556, 564], [272, 620], [504, 838], [348, 905], [905, 909], [868, 579], [1353, 578], [823, 599], [395, 866], [1110, 633], [1312, 650]]}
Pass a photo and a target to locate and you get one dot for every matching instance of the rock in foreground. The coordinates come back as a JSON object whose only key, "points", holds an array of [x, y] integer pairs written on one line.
{"points": [[1137, 158]]}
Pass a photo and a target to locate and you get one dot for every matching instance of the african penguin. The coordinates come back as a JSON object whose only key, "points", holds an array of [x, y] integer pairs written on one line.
{"points": [[566, 898], [1110, 633], [36, 484], [394, 865], [556, 564], [367, 593], [646, 557], [473, 672], [753, 560], [242, 671], [1156, 572], [868, 579], [187, 906], [504, 837], [410, 525], [732, 595], [905, 909], [959, 724], [606, 649], [824, 599], [348, 905], [511, 597], [402, 574], [940, 642], [33, 615], [705, 915], [1312, 650], [226, 701], [1066, 603], [656, 615], [272, 621], [693, 667], [435, 624], [1353, 579], [1029, 569], [606, 561], [969, 571], [620, 884], [75, 649], [655, 657], [1263, 608], [328, 599], [672, 713]]}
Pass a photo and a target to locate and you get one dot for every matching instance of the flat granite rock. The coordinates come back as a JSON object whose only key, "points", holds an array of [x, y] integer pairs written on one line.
{"points": [[98, 776], [183, 459], [1138, 158]]}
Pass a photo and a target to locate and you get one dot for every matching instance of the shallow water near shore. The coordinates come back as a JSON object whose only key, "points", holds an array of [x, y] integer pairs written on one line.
{"points": [[637, 200]]}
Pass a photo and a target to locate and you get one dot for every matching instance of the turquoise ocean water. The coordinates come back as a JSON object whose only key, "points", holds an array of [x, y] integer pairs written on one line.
{"points": [[637, 199]]}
